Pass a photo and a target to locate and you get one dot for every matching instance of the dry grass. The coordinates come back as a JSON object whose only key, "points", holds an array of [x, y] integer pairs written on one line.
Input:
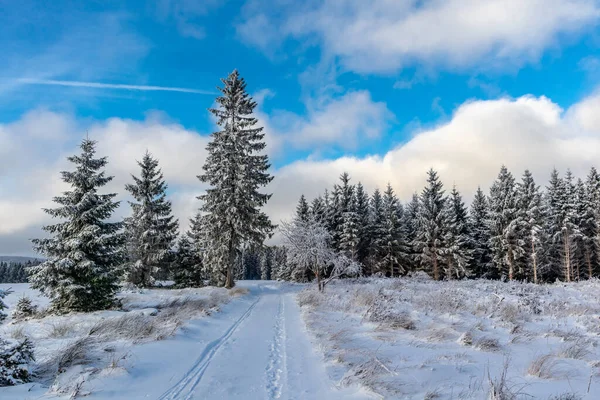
{"points": [[487, 343], [577, 350], [545, 367], [60, 330], [238, 291], [18, 333], [310, 297]]}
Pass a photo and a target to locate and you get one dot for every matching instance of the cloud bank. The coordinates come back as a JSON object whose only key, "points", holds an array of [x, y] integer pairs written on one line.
{"points": [[467, 150]]}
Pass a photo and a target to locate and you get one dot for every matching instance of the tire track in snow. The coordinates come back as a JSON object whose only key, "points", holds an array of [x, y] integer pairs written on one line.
{"points": [[277, 368], [191, 378]]}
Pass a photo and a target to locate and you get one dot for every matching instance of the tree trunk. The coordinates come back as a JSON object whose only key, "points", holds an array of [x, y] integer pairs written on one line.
{"points": [[534, 256], [567, 259], [511, 266], [318, 281], [436, 268], [229, 279], [588, 260]]}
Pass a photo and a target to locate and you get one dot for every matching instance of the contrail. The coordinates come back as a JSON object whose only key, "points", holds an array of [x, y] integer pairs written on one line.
{"points": [[98, 85]]}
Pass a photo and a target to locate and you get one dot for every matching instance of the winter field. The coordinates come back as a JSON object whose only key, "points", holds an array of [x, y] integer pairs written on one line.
{"points": [[415, 338], [406, 338]]}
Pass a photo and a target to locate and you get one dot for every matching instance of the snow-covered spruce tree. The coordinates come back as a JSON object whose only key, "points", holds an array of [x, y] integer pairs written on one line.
{"points": [[410, 225], [350, 235], [392, 245], [280, 268], [530, 214], [3, 306], [302, 209], [318, 210], [482, 266], [553, 221], [266, 264], [84, 250], [235, 170], [186, 268], [362, 212], [338, 205], [152, 229], [376, 231], [566, 231], [15, 356], [503, 224], [24, 309], [433, 225], [458, 237], [590, 221]]}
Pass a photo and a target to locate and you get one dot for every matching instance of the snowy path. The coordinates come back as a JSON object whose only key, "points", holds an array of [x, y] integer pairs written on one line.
{"points": [[256, 347], [264, 354]]}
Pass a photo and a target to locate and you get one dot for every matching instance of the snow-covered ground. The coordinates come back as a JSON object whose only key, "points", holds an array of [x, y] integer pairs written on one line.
{"points": [[255, 347], [413, 338]]}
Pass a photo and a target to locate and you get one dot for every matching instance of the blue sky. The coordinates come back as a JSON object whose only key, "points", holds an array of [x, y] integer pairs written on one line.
{"points": [[383, 89]]}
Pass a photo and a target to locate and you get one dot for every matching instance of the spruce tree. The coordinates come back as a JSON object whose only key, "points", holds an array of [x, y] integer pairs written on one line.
{"points": [[362, 213], [503, 224], [350, 235], [410, 225], [187, 268], [553, 223], [318, 210], [531, 228], [458, 237], [152, 229], [590, 221], [392, 246], [376, 230], [302, 209], [482, 266], [235, 170], [433, 226], [568, 233], [84, 250]]}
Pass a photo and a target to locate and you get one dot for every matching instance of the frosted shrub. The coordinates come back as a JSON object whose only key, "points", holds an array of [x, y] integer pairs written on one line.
{"points": [[24, 309]]}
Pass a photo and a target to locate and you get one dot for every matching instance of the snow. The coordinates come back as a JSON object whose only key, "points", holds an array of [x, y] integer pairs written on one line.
{"points": [[405, 338], [255, 347]]}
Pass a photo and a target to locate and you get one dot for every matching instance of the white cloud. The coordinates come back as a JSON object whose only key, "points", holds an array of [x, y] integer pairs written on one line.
{"points": [[33, 151], [528, 132], [341, 123], [384, 36]]}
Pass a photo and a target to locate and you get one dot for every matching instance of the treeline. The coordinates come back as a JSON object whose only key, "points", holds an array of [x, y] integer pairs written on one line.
{"points": [[516, 231], [15, 272]]}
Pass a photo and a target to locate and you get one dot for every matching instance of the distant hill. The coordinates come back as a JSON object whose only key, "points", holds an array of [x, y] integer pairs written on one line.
{"points": [[18, 259]]}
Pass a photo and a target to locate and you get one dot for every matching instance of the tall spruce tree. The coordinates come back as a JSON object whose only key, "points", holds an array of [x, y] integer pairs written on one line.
{"points": [[187, 264], [553, 223], [302, 209], [503, 224], [318, 210], [590, 222], [350, 236], [530, 214], [376, 230], [410, 225], [235, 170], [433, 225], [152, 229], [84, 250], [362, 211], [482, 266], [567, 233], [458, 237], [392, 244]]}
